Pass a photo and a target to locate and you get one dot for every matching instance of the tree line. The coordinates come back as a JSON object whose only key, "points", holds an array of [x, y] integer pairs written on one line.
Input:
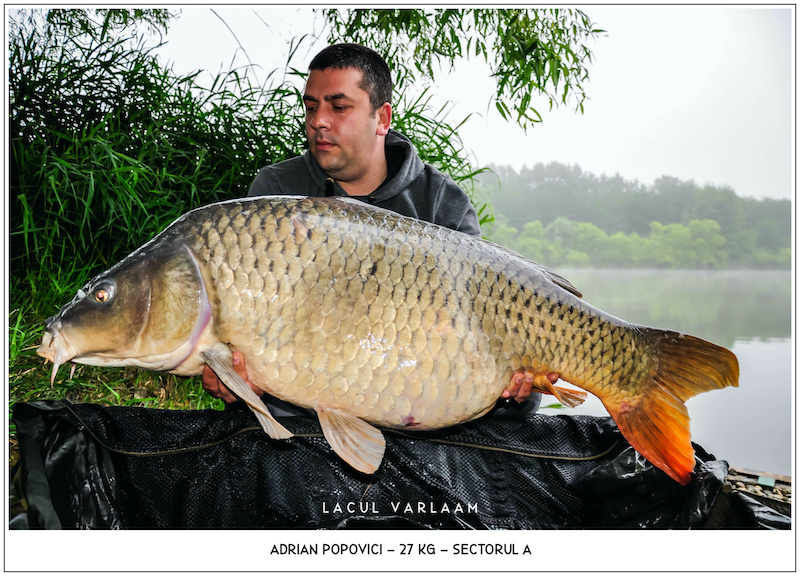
{"points": [[561, 215]]}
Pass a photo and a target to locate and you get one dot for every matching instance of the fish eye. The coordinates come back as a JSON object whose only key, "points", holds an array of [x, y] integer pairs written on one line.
{"points": [[103, 293]]}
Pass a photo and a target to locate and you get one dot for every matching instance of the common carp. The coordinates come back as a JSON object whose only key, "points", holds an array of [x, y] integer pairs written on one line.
{"points": [[376, 320]]}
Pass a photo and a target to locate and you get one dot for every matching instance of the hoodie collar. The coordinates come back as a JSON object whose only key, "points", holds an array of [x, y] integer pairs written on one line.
{"points": [[409, 170]]}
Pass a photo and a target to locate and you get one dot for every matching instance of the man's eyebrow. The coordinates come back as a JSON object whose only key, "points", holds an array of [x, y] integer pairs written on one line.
{"points": [[327, 97], [339, 96]]}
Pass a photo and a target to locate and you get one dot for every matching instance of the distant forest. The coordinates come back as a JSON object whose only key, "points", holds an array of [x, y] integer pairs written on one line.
{"points": [[560, 215]]}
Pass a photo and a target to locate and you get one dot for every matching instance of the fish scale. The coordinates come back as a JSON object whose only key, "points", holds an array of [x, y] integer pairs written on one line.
{"points": [[375, 319]]}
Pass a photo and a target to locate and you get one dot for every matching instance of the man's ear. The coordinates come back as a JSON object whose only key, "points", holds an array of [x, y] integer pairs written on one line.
{"points": [[384, 113]]}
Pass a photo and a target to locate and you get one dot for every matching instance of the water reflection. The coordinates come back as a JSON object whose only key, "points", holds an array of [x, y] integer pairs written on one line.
{"points": [[722, 307], [746, 311]]}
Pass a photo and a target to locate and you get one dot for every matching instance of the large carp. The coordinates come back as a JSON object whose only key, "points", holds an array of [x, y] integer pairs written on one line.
{"points": [[373, 320]]}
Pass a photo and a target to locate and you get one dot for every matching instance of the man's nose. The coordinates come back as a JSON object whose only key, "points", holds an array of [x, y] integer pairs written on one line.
{"points": [[320, 120]]}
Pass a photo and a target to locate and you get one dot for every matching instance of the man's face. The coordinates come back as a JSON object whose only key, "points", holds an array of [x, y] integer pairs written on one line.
{"points": [[343, 134]]}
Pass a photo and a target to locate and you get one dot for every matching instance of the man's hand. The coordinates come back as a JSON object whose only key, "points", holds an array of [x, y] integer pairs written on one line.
{"points": [[522, 384], [212, 384]]}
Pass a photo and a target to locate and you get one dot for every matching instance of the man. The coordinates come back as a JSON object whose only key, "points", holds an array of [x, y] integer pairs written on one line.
{"points": [[352, 151]]}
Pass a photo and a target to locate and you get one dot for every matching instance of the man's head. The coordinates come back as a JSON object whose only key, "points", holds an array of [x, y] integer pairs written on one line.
{"points": [[376, 78], [348, 114]]}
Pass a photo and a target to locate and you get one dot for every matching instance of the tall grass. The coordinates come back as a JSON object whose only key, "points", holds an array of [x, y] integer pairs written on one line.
{"points": [[107, 146]]}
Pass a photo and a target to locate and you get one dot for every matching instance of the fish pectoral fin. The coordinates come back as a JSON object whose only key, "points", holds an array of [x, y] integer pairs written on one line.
{"points": [[220, 360], [356, 442]]}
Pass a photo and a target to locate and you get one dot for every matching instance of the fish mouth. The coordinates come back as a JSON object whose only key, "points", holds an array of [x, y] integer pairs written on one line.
{"points": [[56, 349]]}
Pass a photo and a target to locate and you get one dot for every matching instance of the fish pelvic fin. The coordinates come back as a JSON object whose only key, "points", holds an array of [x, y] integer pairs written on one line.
{"points": [[569, 397], [656, 422], [540, 382], [220, 359], [356, 442]]}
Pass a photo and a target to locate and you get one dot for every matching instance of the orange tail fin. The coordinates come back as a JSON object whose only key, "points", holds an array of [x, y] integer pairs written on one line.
{"points": [[656, 422]]}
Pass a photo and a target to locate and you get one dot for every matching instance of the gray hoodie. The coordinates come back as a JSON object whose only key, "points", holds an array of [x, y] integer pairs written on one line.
{"points": [[418, 190]]}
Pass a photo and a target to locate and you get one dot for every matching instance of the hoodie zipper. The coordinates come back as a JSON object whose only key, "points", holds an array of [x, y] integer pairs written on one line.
{"points": [[329, 187]]}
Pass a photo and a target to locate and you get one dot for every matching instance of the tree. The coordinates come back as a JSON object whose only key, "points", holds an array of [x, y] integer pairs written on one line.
{"points": [[623, 250], [769, 234], [671, 245], [530, 242], [531, 51], [721, 205], [675, 199], [708, 242], [771, 219], [591, 240], [501, 232]]}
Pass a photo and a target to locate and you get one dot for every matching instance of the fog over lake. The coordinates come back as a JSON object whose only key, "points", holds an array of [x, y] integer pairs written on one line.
{"points": [[747, 311]]}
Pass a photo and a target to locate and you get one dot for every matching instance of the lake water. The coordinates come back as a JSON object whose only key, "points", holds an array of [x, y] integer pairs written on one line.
{"points": [[748, 312]]}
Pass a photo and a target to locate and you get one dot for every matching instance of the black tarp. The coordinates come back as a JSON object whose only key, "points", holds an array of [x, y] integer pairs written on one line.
{"points": [[88, 466]]}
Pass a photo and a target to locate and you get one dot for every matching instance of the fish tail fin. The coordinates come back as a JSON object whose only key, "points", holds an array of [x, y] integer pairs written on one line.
{"points": [[656, 421]]}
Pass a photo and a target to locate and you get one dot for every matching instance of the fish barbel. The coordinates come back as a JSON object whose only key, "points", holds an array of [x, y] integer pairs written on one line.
{"points": [[376, 320]]}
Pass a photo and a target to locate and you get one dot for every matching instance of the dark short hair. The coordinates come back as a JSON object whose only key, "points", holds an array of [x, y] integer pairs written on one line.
{"points": [[376, 79]]}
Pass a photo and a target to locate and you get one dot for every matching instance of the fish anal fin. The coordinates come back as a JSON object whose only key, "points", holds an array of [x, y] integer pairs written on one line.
{"points": [[219, 358], [356, 442], [655, 421]]}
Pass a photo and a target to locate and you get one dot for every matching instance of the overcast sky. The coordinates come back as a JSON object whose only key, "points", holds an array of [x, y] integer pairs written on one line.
{"points": [[699, 93]]}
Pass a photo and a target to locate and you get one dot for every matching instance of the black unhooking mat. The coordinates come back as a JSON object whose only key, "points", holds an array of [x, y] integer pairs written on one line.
{"points": [[87, 466]]}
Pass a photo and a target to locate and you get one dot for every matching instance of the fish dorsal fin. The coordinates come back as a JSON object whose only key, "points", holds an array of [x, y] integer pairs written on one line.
{"points": [[554, 277], [220, 360], [356, 442], [562, 282]]}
